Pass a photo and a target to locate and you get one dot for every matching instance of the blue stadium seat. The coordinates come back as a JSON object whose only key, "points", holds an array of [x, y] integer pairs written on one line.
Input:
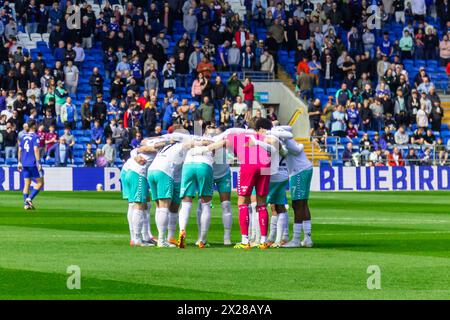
{"points": [[432, 64], [332, 140], [337, 163], [324, 163]]}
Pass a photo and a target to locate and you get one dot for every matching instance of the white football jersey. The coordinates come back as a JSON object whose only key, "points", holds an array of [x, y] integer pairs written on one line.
{"points": [[205, 157], [220, 166], [282, 172], [296, 158], [169, 160], [139, 169]]}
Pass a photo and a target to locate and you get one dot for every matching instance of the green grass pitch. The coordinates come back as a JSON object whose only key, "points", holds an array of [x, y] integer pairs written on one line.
{"points": [[407, 234]]}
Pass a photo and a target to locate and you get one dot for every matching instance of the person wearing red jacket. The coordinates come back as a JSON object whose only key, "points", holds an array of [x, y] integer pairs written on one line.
{"points": [[143, 100], [240, 36], [249, 93], [395, 159], [303, 66]]}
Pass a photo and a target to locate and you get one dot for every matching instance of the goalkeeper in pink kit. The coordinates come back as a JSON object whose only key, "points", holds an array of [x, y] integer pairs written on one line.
{"points": [[255, 171]]}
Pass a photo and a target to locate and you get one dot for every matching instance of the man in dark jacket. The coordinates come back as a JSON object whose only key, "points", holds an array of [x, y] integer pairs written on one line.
{"points": [[99, 109], [96, 82], [149, 118]]}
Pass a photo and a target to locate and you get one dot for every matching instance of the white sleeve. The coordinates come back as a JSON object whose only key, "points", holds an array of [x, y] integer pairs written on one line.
{"points": [[199, 151], [294, 147], [227, 132], [285, 128], [177, 136], [266, 146], [281, 134]]}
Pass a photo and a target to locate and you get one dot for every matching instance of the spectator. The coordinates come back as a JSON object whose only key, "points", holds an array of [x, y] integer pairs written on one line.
{"points": [[41, 135], [351, 132], [86, 114], [89, 156], [347, 156], [99, 109], [136, 140], [233, 85], [429, 138], [314, 112], [239, 111], [441, 152], [69, 114], [338, 122], [422, 117], [70, 142], [97, 133], [181, 69], [60, 97], [378, 142], [365, 146], [96, 82], [71, 74], [60, 152], [205, 67], [109, 151], [412, 159], [437, 113], [51, 137], [10, 142], [79, 55], [194, 59], [190, 24], [149, 117], [206, 111], [249, 93], [234, 57], [426, 159]]}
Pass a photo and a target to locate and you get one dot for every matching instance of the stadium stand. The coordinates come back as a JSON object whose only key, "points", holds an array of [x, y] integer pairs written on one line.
{"points": [[156, 66]]}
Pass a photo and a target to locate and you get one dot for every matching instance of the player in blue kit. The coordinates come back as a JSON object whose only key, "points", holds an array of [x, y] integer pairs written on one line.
{"points": [[30, 165]]}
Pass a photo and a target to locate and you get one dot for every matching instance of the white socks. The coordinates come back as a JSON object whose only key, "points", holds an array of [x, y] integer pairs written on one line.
{"points": [[273, 228], [254, 223], [173, 219], [205, 220], [285, 236], [281, 226], [146, 229], [307, 228], [137, 221], [184, 214], [297, 231], [199, 220], [162, 221], [227, 219], [130, 219]]}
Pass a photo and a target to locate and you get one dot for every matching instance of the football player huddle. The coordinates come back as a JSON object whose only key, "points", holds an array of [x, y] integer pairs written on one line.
{"points": [[173, 169]]}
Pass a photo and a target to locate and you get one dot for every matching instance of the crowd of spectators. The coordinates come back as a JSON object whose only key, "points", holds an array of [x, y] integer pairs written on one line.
{"points": [[136, 85], [359, 65]]}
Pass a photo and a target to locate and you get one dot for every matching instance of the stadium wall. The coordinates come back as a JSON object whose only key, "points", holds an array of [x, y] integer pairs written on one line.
{"points": [[292, 110], [324, 178]]}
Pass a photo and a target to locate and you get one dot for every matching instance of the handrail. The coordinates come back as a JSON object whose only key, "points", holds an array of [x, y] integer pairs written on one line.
{"points": [[256, 75]]}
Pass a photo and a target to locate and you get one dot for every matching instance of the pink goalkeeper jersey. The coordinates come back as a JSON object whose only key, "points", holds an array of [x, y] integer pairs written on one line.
{"points": [[249, 156]]}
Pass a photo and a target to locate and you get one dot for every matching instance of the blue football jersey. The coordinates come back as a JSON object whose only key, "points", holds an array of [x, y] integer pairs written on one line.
{"points": [[27, 144]]}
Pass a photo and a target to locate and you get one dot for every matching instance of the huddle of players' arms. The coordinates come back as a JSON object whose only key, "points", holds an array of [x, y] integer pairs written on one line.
{"points": [[176, 168]]}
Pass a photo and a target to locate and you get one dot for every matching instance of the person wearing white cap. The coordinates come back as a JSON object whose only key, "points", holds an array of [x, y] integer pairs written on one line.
{"points": [[234, 57]]}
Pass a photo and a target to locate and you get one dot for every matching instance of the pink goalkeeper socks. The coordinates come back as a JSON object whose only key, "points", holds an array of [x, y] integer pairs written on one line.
{"points": [[243, 219], [263, 219]]}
